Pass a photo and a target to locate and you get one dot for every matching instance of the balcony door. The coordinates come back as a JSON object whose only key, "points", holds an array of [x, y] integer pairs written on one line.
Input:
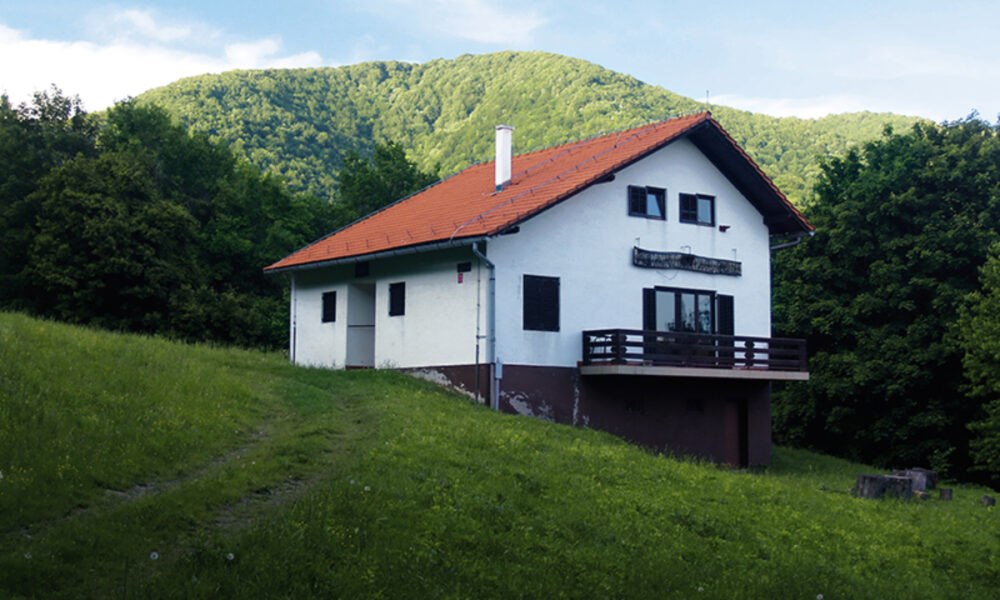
{"points": [[685, 310]]}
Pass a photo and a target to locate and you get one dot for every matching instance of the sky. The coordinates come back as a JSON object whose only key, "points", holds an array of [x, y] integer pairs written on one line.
{"points": [[936, 59]]}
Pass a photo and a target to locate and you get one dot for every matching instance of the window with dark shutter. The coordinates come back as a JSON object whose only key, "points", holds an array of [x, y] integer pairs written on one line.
{"points": [[329, 307], [649, 202], [541, 303], [698, 209], [397, 299]]}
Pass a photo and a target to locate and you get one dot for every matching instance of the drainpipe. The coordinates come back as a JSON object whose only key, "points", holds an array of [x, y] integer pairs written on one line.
{"points": [[491, 329], [294, 324]]}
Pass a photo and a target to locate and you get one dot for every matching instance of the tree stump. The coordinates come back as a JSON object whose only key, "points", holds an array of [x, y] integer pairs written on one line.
{"points": [[989, 500], [946, 493], [877, 486]]}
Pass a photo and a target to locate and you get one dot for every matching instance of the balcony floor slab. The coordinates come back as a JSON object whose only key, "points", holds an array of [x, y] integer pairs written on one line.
{"points": [[666, 371]]}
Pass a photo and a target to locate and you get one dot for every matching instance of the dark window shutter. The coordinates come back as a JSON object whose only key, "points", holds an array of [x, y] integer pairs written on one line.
{"points": [[636, 200], [689, 208], [397, 299], [649, 308], [329, 307], [726, 325], [541, 303]]}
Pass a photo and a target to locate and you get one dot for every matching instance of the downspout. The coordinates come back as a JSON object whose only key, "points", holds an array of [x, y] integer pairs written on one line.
{"points": [[491, 336], [293, 323]]}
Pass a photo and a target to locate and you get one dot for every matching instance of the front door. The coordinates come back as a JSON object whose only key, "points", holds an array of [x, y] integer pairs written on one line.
{"points": [[360, 326]]}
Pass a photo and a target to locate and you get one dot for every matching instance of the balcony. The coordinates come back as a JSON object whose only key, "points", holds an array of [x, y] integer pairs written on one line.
{"points": [[678, 354]]}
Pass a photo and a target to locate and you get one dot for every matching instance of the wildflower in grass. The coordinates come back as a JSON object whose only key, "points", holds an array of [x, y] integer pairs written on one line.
{"points": [[819, 596], [27, 555], [230, 556], [154, 555], [701, 589], [367, 489]]}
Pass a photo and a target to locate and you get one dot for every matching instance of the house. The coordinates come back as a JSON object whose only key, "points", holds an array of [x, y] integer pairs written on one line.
{"points": [[620, 282]]}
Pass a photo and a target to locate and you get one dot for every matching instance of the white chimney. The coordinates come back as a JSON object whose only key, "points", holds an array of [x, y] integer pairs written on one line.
{"points": [[502, 178]]}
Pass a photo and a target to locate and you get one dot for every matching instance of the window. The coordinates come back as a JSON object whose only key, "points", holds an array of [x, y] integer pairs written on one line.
{"points": [[541, 303], [698, 208], [649, 202], [329, 307], [397, 299], [671, 309]]}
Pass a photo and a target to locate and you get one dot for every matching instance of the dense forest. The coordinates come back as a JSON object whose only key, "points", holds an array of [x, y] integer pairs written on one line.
{"points": [[897, 294], [301, 123]]}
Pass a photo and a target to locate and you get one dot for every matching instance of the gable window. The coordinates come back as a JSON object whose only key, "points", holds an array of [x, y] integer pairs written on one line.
{"points": [[698, 208], [541, 303], [649, 202], [397, 299], [329, 307]]}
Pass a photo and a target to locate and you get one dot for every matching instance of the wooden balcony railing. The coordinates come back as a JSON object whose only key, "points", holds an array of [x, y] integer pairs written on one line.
{"points": [[678, 349]]}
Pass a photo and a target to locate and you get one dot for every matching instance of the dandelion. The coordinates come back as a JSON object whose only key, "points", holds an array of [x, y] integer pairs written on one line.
{"points": [[230, 556], [701, 589], [367, 489], [154, 555], [819, 596]]}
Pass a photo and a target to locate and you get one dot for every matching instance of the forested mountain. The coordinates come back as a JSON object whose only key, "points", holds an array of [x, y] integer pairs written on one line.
{"points": [[301, 123]]}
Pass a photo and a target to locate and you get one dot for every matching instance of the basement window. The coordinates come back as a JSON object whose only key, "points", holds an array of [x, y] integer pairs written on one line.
{"points": [[329, 307], [541, 303], [698, 209], [397, 299], [649, 202]]}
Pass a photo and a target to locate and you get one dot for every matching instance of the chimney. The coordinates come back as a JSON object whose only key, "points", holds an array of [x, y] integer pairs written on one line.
{"points": [[502, 178]]}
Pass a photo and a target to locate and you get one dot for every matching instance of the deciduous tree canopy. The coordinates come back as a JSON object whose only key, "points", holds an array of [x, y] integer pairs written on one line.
{"points": [[903, 226]]}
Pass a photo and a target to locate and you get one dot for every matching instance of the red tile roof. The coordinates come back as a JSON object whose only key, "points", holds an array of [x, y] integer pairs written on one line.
{"points": [[466, 205]]}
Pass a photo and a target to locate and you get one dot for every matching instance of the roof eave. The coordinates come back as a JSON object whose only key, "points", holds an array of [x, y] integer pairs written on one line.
{"points": [[401, 251]]}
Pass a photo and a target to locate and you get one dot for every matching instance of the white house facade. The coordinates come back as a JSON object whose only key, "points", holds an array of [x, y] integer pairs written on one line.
{"points": [[621, 283]]}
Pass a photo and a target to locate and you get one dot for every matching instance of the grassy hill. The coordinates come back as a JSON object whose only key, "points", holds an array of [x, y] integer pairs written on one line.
{"points": [[136, 467], [300, 123]]}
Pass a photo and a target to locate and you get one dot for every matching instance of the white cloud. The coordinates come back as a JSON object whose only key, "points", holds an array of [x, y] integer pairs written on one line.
{"points": [[475, 20], [145, 56], [813, 107]]}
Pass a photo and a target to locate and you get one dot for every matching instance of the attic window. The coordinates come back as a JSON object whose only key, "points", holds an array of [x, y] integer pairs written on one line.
{"points": [[698, 209], [541, 303], [649, 202]]}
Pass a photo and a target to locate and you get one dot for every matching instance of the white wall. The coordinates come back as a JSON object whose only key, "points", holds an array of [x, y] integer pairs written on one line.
{"points": [[438, 327], [587, 242]]}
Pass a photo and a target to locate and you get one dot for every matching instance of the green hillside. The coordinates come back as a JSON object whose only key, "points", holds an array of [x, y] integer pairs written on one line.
{"points": [[135, 467], [300, 123]]}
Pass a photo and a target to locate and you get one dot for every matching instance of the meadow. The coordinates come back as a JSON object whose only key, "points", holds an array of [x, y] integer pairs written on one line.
{"points": [[135, 467]]}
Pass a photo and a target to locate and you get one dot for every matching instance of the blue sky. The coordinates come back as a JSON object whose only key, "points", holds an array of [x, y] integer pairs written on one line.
{"points": [[934, 59]]}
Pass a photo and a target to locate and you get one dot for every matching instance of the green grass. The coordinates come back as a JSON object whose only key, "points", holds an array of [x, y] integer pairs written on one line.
{"points": [[251, 478]]}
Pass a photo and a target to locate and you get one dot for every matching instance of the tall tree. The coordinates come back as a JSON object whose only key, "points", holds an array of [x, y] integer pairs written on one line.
{"points": [[367, 185], [902, 227], [979, 337], [35, 138]]}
